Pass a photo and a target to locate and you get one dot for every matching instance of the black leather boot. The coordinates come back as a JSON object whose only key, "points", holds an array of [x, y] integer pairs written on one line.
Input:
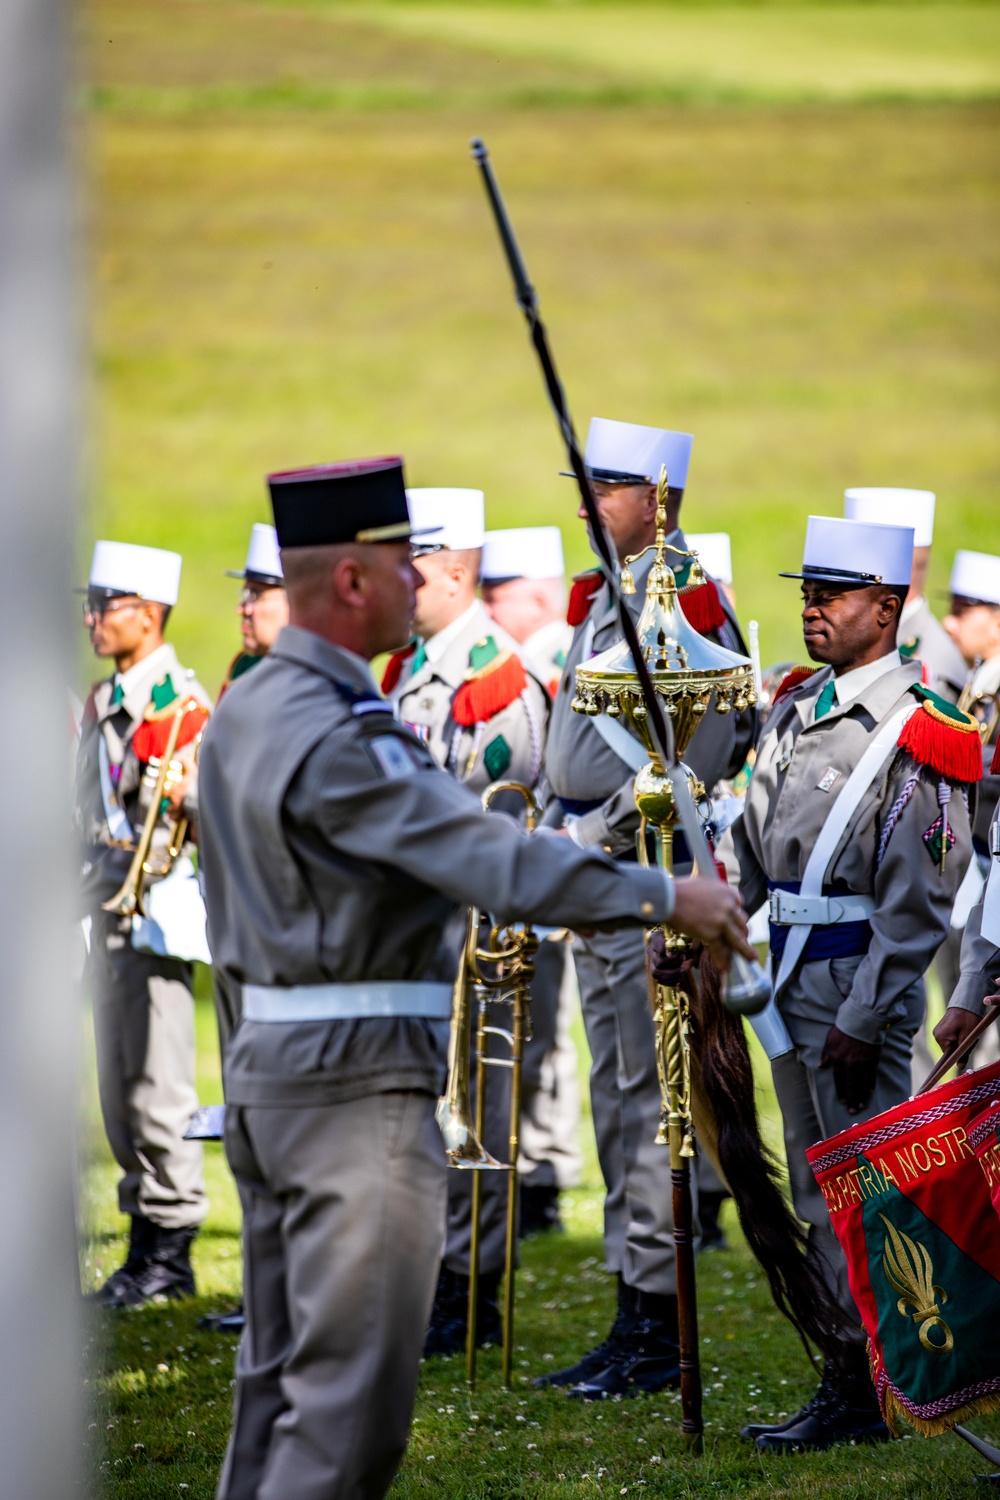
{"points": [[163, 1271], [647, 1358], [598, 1358], [141, 1243], [712, 1234], [845, 1409], [538, 1210], [448, 1327], [233, 1321]]}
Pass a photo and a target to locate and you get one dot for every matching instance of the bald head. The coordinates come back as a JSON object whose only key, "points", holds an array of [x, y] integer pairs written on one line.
{"points": [[361, 597]]}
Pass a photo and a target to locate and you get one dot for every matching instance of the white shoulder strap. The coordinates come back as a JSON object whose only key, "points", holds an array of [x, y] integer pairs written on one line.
{"points": [[840, 814], [989, 924], [118, 824], [617, 738]]}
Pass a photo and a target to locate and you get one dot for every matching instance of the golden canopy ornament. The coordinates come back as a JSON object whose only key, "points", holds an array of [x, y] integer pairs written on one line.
{"points": [[692, 676]]}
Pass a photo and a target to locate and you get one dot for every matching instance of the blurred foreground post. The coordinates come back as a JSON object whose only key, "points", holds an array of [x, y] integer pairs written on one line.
{"points": [[39, 1349]]}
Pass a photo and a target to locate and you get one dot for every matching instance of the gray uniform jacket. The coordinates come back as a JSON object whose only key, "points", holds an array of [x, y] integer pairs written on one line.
{"points": [[508, 745], [980, 963], [104, 865], [334, 848], [923, 637], [883, 852], [580, 767], [986, 680]]}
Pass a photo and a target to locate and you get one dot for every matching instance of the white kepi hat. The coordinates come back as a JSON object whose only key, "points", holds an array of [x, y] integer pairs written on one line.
{"points": [[855, 552], [263, 564], [715, 553], [894, 508], [458, 517], [523, 552], [976, 575], [124, 568], [623, 453]]}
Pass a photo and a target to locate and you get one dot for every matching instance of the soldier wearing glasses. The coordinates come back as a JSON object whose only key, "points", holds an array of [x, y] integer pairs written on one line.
{"points": [[143, 1009]]}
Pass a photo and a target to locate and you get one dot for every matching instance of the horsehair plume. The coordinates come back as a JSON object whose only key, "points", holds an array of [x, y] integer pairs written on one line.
{"points": [[774, 1234]]}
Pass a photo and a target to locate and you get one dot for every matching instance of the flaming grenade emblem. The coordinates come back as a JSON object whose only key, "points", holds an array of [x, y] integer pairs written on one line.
{"points": [[909, 1269]]}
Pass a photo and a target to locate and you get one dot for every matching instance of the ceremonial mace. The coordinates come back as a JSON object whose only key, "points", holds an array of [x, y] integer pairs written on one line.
{"points": [[746, 988]]}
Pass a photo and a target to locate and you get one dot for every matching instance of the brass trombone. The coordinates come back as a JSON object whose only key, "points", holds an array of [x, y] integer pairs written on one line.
{"points": [[128, 900], [498, 971]]}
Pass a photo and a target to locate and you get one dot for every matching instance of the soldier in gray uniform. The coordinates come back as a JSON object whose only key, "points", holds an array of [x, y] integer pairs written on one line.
{"points": [[921, 637], [590, 766], [856, 821], [466, 689], [143, 1006], [979, 975], [335, 853], [973, 622], [524, 589]]}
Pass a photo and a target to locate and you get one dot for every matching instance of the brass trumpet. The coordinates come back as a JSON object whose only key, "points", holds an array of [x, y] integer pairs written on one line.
{"points": [[496, 972], [128, 900]]}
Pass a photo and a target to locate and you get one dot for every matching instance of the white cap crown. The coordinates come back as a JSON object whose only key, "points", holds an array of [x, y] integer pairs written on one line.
{"points": [[715, 553], [893, 507], [263, 553], [976, 575], [856, 552], [637, 453], [523, 552], [457, 517], [129, 569]]}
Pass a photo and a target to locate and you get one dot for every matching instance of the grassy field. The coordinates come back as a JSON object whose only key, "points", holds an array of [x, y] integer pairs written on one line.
{"points": [[812, 290], [776, 227]]}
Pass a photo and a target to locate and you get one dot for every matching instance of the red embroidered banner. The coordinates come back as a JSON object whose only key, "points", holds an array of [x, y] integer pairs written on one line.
{"points": [[911, 1208]]}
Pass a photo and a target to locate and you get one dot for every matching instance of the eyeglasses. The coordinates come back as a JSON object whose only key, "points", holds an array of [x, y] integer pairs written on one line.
{"points": [[254, 593], [93, 609]]}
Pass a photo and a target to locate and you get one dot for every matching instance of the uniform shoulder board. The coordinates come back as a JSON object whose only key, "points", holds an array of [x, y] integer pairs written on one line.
{"points": [[585, 586], [792, 680], [493, 681], [151, 736], [700, 602], [942, 737], [362, 703], [394, 667]]}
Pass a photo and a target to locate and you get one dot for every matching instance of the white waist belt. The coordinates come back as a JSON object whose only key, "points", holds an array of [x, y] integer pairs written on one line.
{"points": [[790, 910], [347, 1002]]}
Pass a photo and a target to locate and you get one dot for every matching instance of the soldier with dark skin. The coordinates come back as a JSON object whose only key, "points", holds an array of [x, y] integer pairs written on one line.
{"points": [[856, 831]]}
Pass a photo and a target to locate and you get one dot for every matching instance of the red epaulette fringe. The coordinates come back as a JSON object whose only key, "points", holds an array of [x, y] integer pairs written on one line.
{"points": [[490, 690], [947, 747], [702, 607], [585, 586], [152, 734], [793, 679], [995, 765], [394, 667]]}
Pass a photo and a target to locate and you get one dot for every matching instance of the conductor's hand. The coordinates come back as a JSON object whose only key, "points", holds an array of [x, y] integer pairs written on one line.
{"points": [[712, 912], [855, 1068], [955, 1025]]}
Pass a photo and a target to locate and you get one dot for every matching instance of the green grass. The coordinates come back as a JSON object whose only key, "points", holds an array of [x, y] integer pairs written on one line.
{"points": [[289, 259], [812, 290], [160, 1388]]}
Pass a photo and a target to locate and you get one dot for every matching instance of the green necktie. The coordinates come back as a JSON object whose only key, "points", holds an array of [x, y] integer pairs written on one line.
{"points": [[117, 695], [826, 699], [419, 657]]}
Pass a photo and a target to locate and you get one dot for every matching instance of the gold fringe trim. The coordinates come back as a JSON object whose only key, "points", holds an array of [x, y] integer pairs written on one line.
{"points": [[895, 1411]]}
